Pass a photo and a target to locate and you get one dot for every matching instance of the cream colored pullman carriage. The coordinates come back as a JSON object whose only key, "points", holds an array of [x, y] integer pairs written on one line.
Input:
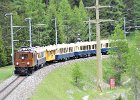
{"points": [[85, 49], [105, 46], [65, 51]]}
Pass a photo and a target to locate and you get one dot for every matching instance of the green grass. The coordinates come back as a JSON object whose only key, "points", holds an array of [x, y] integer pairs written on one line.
{"points": [[58, 85], [6, 72]]}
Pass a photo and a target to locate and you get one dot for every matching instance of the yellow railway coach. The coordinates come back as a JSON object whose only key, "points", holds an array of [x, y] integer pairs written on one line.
{"points": [[50, 53]]}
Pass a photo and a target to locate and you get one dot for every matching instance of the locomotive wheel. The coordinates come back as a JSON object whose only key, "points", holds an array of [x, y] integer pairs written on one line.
{"points": [[35, 68], [30, 70]]}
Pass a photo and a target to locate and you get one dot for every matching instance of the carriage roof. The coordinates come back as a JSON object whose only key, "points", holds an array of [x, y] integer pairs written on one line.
{"points": [[50, 47], [65, 45], [85, 43]]}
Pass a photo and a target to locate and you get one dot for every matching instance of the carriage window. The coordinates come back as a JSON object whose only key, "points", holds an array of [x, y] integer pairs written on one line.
{"points": [[23, 55], [101, 45], [61, 50], [92, 46], [77, 48], [50, 52], [53, 52], [89, 47], [95, 46], [41, 54], [65, 50], [107, 45], [58, 51], [80, 47], [70, 49], [84, 47]]}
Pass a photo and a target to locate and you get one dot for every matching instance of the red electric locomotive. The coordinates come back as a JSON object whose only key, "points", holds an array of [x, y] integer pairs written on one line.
{"points": [[25, 61]]}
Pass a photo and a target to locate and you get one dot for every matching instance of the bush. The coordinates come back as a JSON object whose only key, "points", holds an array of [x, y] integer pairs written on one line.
{"points": [[77, 75], [119, 98]]}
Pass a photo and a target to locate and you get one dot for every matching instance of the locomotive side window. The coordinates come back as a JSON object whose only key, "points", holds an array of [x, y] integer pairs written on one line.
{"points": [[23, 55]]}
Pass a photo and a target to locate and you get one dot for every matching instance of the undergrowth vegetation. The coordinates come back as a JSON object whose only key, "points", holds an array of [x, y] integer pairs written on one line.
{"points": [[6, 72]]}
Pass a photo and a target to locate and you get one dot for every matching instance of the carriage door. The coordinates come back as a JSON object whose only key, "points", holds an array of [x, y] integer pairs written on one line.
{"points": [[35, 58]]}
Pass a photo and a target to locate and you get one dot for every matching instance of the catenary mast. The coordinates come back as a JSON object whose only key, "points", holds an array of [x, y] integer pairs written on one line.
{"points": [[97, 21]]}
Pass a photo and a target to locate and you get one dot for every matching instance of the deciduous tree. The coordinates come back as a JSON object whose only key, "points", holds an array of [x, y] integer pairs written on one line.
{"points": [[134, 65], [118, 53]]}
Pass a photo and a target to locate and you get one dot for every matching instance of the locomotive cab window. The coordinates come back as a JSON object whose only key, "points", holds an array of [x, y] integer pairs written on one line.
{"points": [[23, 55]]}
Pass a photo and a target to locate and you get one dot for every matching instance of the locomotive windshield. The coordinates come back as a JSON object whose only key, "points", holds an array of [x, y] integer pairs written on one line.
{"points": [[23, 56]]}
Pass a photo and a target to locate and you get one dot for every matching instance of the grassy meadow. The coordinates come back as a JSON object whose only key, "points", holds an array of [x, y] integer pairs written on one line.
{"points": [[58, 85], [6, 72]]}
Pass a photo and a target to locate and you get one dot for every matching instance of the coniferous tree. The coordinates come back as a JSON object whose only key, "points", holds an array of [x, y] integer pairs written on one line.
{"points": [[3, 58], [114, 13], [136, 12], [83, 17], [51, 14], [64, 17], [6, 7], [35, 9], [78, 26], [129, 12]]}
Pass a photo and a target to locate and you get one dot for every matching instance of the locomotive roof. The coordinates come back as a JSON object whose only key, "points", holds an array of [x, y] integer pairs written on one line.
{"points": [[33, 49]]}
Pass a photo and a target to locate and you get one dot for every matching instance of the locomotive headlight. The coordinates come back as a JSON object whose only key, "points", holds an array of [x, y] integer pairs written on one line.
{"points": [[28, 63], [22, 58], [17, 63]]}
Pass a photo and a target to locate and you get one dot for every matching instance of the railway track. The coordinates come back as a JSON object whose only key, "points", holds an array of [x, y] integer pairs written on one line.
{"points": [[8, 89]]}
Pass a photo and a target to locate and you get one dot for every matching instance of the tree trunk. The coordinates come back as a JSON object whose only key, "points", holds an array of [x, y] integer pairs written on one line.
{"points": [[47, 2]]}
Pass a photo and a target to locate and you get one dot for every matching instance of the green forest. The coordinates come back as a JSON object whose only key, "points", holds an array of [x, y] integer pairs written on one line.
{"points": [[71, 16]]}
